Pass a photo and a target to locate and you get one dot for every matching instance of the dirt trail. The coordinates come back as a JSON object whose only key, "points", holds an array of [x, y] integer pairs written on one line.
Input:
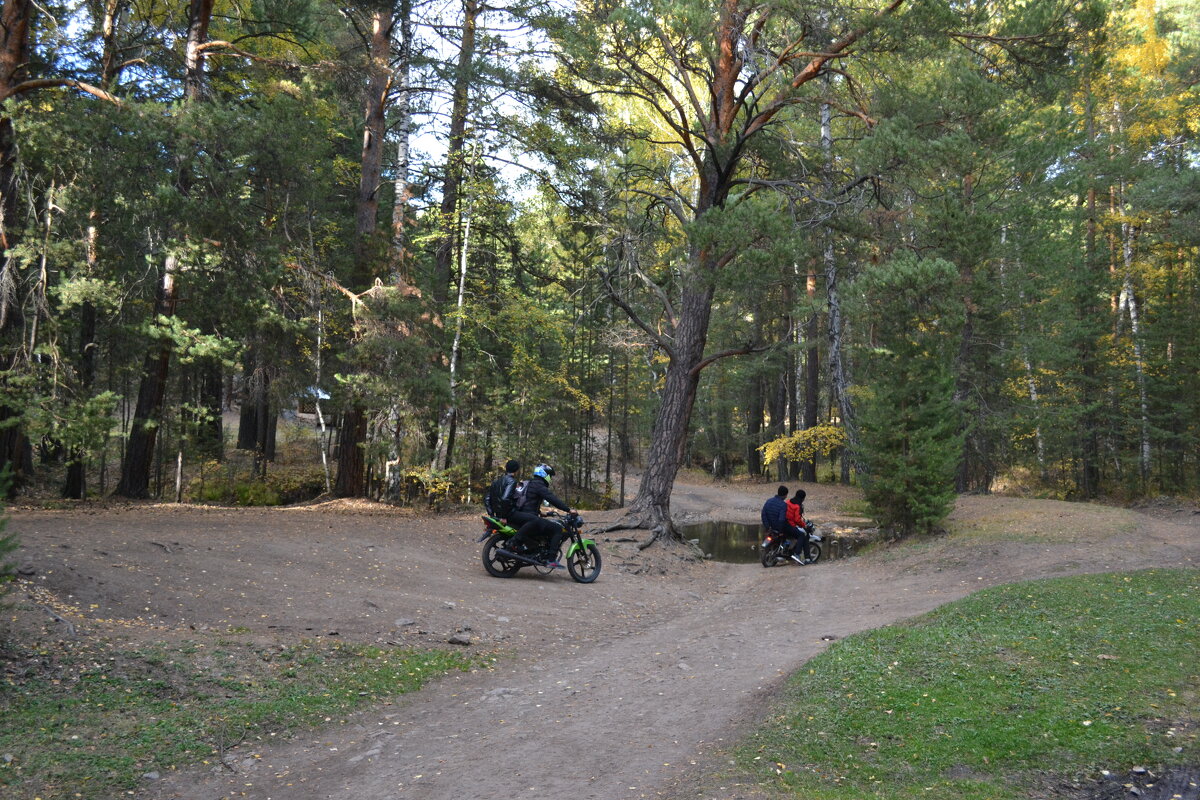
{"points": [[622, 689]]}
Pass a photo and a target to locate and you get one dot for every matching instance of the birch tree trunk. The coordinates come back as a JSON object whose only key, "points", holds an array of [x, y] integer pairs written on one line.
{"points": [[838, 370], [444, 451], [812, 373], [40, 287], [323, 440], [1129, 305]]}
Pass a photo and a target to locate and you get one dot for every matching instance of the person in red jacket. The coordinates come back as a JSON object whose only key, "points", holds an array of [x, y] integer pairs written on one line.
{"points": [[795, 518]]}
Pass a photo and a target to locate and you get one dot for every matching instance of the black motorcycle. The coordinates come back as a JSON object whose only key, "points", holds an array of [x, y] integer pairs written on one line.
{"points": [[777, 548], [502, 561]]}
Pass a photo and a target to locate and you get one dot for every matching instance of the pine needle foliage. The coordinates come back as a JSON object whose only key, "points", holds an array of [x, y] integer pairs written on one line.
{"points": [[911, 435]]}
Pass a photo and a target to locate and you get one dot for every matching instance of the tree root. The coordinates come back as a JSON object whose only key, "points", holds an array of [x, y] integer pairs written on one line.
{"points": [[624, 524], [657, 530]]}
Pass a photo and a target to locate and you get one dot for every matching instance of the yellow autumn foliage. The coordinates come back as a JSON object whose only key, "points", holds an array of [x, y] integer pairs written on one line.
{"points": [[805, 445]]}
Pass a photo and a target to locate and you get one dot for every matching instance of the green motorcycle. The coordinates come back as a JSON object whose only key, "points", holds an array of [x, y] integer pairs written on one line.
{"points": [[582, 557]]}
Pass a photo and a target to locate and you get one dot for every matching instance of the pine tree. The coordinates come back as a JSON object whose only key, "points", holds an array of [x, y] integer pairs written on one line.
{"points": [[910, 438]]}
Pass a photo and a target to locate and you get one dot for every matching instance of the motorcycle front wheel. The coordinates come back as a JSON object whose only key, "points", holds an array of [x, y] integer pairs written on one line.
{"points": [[814, 552], [584, 563], [497, 564]]}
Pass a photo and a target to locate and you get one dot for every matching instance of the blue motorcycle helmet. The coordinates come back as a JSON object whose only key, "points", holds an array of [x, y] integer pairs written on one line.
{"points": [[544, 471]]}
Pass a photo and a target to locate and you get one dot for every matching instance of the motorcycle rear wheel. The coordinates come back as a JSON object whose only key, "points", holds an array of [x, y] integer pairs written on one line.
{"points": [[769, 554], [497, 564]]}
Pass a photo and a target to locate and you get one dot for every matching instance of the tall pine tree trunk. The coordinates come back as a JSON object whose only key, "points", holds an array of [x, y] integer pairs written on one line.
{"points": [[715, 132], [139, 452], [352, 470], [15, 451], [75, 485], [147, 418], [352, 473], [455, 150], [366, 214], [652, 506], [195, 86], [14, 45], [777, 404], [1088, 476], [401, 270], [754, 424]]}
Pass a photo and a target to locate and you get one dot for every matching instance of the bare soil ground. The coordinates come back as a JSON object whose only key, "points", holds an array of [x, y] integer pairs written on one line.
{"points": [[627, 688]]}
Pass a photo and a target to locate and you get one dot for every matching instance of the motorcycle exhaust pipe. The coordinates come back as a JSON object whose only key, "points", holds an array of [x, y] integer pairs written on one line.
{"points": [[519, 557]]}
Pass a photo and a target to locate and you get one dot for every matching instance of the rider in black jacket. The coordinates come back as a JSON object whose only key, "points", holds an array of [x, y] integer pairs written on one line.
{"points": [[528, 515]]}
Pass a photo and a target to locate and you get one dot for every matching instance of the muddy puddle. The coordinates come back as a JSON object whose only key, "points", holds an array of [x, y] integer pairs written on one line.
{"points": [[738, 542]]}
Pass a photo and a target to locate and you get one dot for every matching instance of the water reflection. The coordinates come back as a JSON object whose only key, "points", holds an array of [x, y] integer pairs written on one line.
{"points": [[733, 542], [737, 542]]}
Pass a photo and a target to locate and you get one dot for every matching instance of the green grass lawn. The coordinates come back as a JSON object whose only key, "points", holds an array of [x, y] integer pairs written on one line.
{"points": [[90, 721], [995, 695]]}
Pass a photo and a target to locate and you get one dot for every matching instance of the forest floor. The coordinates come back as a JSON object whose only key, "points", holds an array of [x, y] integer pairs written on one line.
{"points": [[628, 688]]}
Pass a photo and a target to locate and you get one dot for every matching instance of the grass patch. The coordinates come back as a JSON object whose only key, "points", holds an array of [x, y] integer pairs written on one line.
{"points": [[856, 507], [90, 720], [1046, 521], [989, 696]]}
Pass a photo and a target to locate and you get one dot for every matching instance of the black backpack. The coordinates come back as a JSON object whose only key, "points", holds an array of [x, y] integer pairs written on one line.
{"points": [[497, 503], [503, 503]]}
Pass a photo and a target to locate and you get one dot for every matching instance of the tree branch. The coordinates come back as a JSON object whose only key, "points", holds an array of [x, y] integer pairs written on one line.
{"points": [[745, 349], [813, 69], [683, 73], [59, 83], [672, 206], [657, 291], [657, 337]]}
